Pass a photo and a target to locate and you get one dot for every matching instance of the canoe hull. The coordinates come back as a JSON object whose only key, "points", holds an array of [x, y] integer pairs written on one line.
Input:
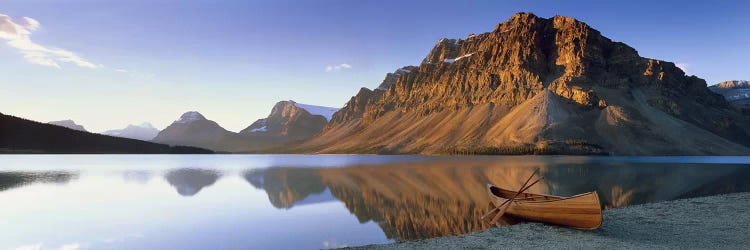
{"points": [[581, 211]]}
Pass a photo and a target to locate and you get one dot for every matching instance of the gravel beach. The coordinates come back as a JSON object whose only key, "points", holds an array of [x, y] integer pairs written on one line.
{"points": [[698, 223]]}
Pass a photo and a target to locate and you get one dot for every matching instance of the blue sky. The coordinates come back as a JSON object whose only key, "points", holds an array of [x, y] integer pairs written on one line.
{"points": [[106, 64]]}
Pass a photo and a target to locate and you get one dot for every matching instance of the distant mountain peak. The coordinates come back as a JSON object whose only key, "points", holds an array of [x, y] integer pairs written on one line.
{"points": [[732, 84], [144, 132], [190, 116], [68, 124], [145, 125], [193, 129], [736, 92]]}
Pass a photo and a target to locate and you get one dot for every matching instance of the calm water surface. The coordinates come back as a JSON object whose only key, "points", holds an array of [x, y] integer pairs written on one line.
{"points": [[307, 202]]}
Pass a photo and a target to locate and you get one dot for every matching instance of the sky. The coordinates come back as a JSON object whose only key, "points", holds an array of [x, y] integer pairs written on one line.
{"points": [[107, 64]]}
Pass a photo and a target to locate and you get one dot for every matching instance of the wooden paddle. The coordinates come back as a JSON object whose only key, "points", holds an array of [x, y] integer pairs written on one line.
{"points": [[522, 187], [504, 206]]}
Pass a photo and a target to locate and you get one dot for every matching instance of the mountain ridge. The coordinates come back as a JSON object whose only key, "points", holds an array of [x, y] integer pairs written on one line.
{"points": [[18, 135]]}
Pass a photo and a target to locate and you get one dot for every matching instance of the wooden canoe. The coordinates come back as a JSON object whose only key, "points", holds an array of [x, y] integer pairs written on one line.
{"points": [[580, 211]]}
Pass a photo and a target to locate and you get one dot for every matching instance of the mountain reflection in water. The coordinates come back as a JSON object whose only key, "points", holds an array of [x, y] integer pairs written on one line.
{"points": [[447, 197], [287, 187], [189, 181]]}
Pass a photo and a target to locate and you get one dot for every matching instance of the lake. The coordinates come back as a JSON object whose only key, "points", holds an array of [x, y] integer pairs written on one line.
{"points": [[308, 201]]}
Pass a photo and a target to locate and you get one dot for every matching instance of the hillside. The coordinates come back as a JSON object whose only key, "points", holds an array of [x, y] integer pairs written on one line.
{"points": [[19, 135], [536, 86]]}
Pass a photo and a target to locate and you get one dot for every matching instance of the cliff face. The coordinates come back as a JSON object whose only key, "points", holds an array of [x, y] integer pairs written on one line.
{"points": [[584, 92]]}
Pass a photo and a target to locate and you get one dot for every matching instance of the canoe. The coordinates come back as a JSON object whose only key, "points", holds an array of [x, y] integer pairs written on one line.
{"points": [[580, 211]]}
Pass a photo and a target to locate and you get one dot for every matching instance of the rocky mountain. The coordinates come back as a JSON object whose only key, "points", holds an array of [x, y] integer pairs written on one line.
{"points": [[19, 135], [68, 124], [537, 86], [736, 92], [143, 132], [291, 121]]}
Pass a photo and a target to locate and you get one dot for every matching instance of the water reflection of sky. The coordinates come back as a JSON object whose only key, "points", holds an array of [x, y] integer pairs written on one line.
{"points": [[107, 212], [293, 202]]}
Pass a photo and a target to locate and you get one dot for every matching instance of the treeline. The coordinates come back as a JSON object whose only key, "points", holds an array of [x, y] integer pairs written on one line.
{"points": [[18, 135], [568, 147]]}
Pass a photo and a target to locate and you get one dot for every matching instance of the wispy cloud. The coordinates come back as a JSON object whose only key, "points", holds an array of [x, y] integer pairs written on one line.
{"points": [[331, 68], [122, 238], [39, 246], [683, 66], [71, 246], [36, 246], [329, 244], [18, 35]]}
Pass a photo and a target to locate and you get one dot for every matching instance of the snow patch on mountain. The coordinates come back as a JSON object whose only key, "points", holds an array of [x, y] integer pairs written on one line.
{"points": [[457, 58], [261, 129], [145, 125], [190, 116], [326, 112]]}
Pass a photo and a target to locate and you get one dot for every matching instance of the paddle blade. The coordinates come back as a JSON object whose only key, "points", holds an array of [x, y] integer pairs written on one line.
{"points": [[500, 213], [489, 215]]}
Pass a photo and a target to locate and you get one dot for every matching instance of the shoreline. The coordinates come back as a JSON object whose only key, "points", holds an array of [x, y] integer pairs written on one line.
{"points": [[719, 221]]}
